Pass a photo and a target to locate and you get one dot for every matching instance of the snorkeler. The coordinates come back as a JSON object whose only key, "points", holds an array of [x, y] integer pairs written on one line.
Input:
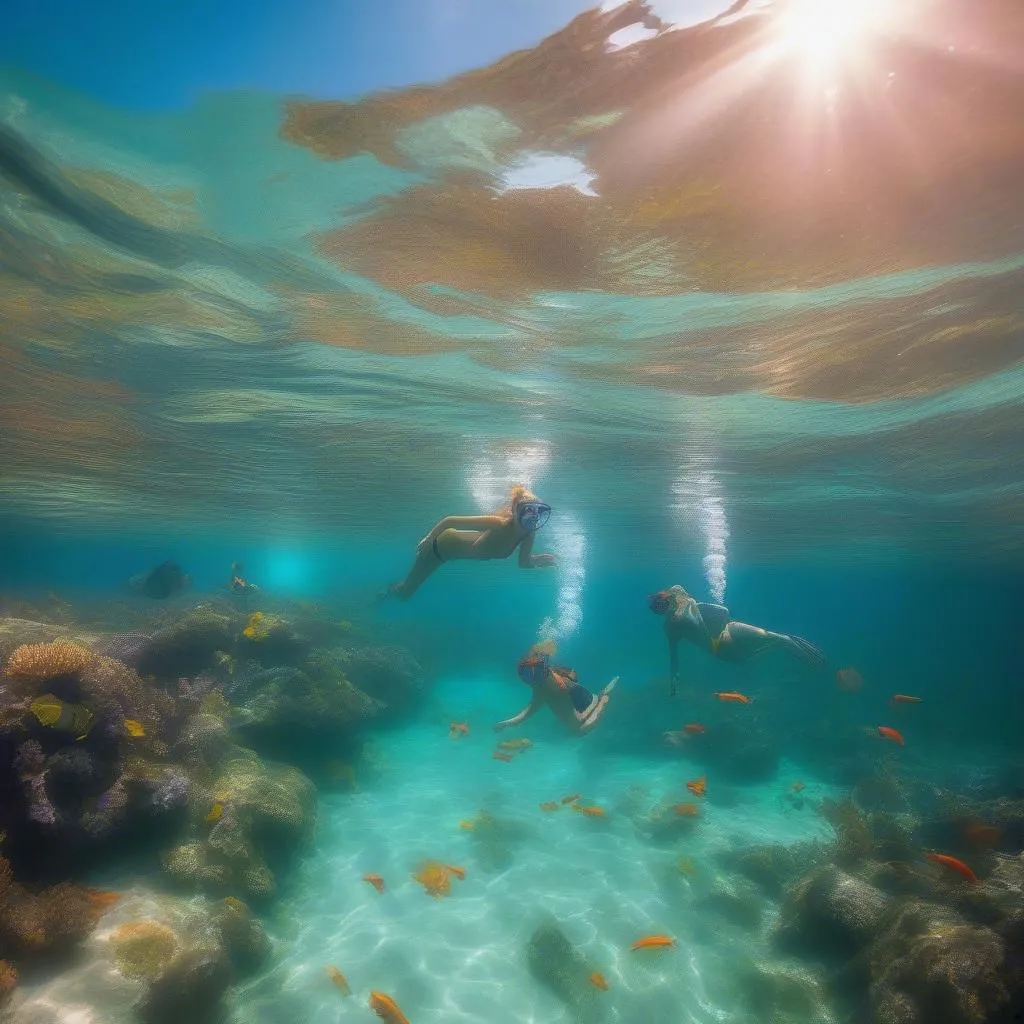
{"points": [[457, 538], [573, 705], [239, 584], [709, 627]]}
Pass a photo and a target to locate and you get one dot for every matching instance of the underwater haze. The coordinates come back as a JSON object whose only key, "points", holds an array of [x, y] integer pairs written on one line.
{"points": [[725, 299]]}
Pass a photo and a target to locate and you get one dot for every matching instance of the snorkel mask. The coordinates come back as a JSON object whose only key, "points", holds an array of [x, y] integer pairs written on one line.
{"points": [[532, 515], [661, 602], [533, 668]]}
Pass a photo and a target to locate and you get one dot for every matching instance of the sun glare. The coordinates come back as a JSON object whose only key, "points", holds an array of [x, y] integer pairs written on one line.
{"points": [[822, 32]]}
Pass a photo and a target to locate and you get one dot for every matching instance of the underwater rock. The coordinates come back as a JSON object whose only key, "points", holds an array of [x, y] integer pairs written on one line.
{"points": [[781, 994], [242, 935], [774, 867], [256, 815], [272, 641], [186, 647], [931, 967], [389, 675], [829, 913], [554, 962]]}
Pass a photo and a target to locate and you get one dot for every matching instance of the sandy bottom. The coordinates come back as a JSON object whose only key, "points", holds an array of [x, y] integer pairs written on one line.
{"points": [[606, 881]]}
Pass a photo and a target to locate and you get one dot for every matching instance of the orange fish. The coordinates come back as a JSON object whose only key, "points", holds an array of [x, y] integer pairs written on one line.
{"points": [[902, 698], [686, 810], [376, 881], [570, 799], [387, 1009], [654, 942], [733, 698], [694, 728], [459, 873], [457, 729], [339, 979], [467, 826], [500, 755], [890, 734], [798, 787], [953, 864], [436, 877], [551, 805], [698, 786], [849, 679], [590, 812], [597, 979]]}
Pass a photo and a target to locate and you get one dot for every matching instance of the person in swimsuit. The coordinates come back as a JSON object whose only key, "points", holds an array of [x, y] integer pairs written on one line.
{"points": [[573, 705], [710, 627], [456, 538]]}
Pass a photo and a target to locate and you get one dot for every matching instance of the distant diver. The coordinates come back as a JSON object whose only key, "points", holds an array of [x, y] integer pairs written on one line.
{"points": [[457, 538], [239, 584], [160, 583], [557, 688], [710, 627]]}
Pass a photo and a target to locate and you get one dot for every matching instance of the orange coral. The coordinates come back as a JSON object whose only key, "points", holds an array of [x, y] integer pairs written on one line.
{"points": [[47, 661]]}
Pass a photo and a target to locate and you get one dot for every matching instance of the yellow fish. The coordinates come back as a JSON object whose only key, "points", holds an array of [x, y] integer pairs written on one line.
{"points": [[52, 712], [215, 812], [134, 728], [258, 628]]}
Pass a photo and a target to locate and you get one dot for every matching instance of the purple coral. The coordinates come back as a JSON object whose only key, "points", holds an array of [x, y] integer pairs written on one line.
{"points": [[40, 810], [172, 792], [109, 807]]}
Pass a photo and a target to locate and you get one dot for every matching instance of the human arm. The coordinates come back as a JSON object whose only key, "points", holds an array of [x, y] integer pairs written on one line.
{"points": [[532, 708], [528, 560]]}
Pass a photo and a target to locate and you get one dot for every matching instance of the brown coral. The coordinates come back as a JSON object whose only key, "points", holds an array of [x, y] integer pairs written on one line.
{"points": [[8, 979], [39, 662], [142, 949]]}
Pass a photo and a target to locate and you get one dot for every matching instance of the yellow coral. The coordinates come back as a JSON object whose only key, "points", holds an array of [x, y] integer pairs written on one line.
{"points": [[47, 661], [143, 948], [258, 627]]}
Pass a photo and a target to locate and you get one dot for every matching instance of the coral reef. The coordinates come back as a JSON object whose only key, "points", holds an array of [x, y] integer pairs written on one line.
{"points": [[555, 964], [186, 647]]}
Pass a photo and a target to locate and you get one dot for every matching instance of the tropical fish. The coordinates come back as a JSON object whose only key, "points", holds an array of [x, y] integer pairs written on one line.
{"points": [[457, 729], [216, 811], [258, 627], [590, 811], [459, 873], [654, 942], [571, 799], [732, 697], [134, 728], [694, 728], [467, 826], [160, 583], [387, 1009], [890, 734], [551, 805], [436, 877], [500, 755], [903, 698], [52, 712], [376, 881], [686, 810], [339, 979], [954, 864], [849, 679], [520, 744], [597, 979], [698, 786], [798, 787]]}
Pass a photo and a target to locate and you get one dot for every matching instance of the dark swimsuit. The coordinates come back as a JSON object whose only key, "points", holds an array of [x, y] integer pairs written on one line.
{"points": [[437, 554], [580, 696]]}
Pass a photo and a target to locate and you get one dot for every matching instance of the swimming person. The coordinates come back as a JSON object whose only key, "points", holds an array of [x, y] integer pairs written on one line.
{"points": [[710, 627], [573, 705], [456, 538]]}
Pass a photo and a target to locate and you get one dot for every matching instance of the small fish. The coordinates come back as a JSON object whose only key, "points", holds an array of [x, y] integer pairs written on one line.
{"points": [[589, 811], [686, 810], [798, 787], [654, 942], [52, 712], [467, 826], [436, 877], [890, 734], [520, 744], [849, 679], [376, 881], [597, 979], [903, 698], [500, 755], [571, 799], [387, 1009], [258, 627], [954, 864], [731, 697], [698, 786], [216, 811], [134, 728], [457, 729], [339, 979], [694, 728], [550, 805], [459, 873]]}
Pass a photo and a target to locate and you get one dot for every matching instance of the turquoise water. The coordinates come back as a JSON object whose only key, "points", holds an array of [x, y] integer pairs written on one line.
{"points": [[749, 322]]}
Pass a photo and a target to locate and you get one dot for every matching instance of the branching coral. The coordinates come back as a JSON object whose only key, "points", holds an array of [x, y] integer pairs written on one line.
{"points": [[40, 662]]}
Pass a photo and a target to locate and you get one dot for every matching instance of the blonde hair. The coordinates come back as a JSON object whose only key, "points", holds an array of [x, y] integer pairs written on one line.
{"points": [[516, 494]]}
